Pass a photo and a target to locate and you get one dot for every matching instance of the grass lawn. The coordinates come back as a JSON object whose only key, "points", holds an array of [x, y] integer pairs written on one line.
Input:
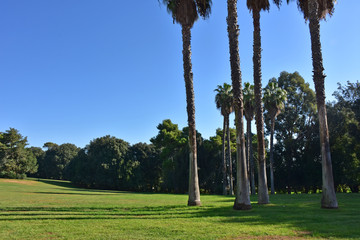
{"points": [[48, 209]]}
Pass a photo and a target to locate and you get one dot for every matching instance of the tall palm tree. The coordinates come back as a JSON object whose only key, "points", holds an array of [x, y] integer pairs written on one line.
{"points": [[256, 6], [224, 101], [314, 11], [242, 200], [274, 98], [186, 12], [249, 108]]}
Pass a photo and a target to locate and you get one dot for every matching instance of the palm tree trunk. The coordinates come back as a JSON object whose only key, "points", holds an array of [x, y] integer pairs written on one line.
{"points": [[272, 156], [262, 179], [194, 192], [328, 191], [242, 200], [224, 159], [250, 157], [231, 182]]}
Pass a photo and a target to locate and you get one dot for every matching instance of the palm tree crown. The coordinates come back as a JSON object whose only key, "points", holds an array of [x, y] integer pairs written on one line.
{"points": [[274, 98], [186, 12], [324, 7], [224, 99], [249, 101]]}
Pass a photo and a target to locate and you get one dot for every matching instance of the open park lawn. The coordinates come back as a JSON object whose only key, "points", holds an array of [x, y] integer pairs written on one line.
{"points": [[49, 209]]}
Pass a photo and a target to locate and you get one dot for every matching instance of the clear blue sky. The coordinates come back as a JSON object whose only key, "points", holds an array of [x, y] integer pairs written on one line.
{"points": [[72, 71]]}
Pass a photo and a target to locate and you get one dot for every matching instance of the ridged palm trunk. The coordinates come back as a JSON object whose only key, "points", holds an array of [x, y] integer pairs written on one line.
{"points": [[263, 196], [228, 150], [250, 157], [194, 192], [242, 200], [272, 156], [328, 191], [224, 159]]}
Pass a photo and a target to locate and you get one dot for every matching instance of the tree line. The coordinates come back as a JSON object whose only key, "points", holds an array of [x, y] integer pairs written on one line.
{"points": [[162, 165]]}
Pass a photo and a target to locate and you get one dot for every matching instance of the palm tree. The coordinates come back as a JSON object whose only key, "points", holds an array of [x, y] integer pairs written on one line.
{"points": [[224, 101], [314, 11], [249, 108], [274, 98], [256, 6], [242, 200], [185, 12]]}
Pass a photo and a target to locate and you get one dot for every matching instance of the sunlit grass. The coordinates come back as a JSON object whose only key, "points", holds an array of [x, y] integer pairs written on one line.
{"points": [[49, 209]]}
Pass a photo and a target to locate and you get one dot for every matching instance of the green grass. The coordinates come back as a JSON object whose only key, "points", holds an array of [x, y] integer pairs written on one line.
{"points": [[48, 209]]}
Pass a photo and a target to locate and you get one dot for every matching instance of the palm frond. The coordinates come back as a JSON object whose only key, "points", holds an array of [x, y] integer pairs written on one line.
{"points": [[186, 12], [204, 8], [258, 5], [325, 7]]}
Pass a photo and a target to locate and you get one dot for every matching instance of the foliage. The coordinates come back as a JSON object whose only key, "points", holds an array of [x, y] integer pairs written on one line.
{"points": [[224, 99], [53, 163], [147, 175], [103, 164], [296, 152], [186, 12], [15, 160], [172, 145], [274, 98], [325, 7], [249, 101], [344, 128], [162, 166]]}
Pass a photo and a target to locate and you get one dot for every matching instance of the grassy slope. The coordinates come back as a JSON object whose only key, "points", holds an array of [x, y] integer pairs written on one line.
{"points": [[49, 209]]}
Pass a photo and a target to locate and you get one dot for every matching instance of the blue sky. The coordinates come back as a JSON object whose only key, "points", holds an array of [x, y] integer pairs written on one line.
{"points": [[72, 71]]}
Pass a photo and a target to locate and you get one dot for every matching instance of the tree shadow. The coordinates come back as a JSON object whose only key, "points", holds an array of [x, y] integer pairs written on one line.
{"points": [[308, 217], [301, 212]]}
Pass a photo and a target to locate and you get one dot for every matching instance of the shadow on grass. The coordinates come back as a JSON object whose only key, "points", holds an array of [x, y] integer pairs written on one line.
{"points": [[305, 216], [71, 187], [58, 183], [69, 193], [301, 212]]}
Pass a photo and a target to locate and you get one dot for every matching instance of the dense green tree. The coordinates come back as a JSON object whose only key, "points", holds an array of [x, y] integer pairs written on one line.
{"points": [[274, 98], [242, 200], [210, 161], [295, 152], [224, 102], [105, 164], [348, 96], [249, 108], [314, 11], [186, 12], [344, 129], [147, 175], [174, 153], [15, 160], [39, 154], [169, 142], [78, 170], [56, 159]]}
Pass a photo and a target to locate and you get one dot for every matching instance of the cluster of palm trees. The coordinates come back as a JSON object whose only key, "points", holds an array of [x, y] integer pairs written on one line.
{"points": [[186, 12], [224, 101], [273, 98]]}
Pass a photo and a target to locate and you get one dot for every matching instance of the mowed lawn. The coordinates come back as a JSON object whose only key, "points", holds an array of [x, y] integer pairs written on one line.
{"points": [[48, 209]]}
